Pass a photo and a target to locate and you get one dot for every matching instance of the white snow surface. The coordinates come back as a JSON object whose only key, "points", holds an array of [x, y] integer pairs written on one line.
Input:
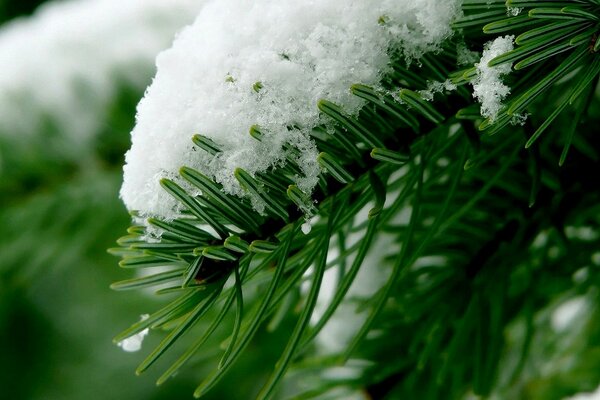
{"points": [[134, 343], [299, 50], [595, 395], [566, 313], [488, 87], [67, 61]]}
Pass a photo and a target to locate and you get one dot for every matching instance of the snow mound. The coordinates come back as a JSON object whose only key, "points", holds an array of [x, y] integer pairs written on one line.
{"points": [[266, 63]]}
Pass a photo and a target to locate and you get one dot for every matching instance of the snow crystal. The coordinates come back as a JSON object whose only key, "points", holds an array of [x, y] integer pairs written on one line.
{"points": [[513, 11], [67, 61], [488, 87], [134, 342], [519, 119], [434, 87], [266, 63], [465, 56]]}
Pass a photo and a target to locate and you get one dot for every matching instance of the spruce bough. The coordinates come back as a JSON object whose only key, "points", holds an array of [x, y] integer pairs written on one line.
{"points": [[496, 209]]}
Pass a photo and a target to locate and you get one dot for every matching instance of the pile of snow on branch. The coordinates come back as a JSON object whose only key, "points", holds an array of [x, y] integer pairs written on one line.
{"points": [[299, 52], [488, 87]]}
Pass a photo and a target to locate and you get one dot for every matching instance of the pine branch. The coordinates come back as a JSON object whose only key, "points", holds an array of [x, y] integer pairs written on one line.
{"points": [[471, 200]]}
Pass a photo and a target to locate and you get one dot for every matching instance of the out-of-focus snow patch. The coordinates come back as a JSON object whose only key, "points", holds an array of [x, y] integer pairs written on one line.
{"points": [[567, 312], [65, 63], [436, 87], [346, 322], [586, 396]]}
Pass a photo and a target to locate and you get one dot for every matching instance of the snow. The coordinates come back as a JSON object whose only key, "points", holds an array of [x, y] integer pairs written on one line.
{"points": [[134, 342], [513, 11], [346, 321], [465, 56], [567, 312], [435, 87], [488, 87], [67, 61], [299, 52], [595, 395]]}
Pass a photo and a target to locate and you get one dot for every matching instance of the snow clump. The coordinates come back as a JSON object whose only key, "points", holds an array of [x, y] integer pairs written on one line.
{"points": [[488, 87], [265, 63]]}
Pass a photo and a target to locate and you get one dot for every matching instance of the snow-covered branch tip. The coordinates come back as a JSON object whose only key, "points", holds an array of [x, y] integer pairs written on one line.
{"points": [[207, 83]]}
